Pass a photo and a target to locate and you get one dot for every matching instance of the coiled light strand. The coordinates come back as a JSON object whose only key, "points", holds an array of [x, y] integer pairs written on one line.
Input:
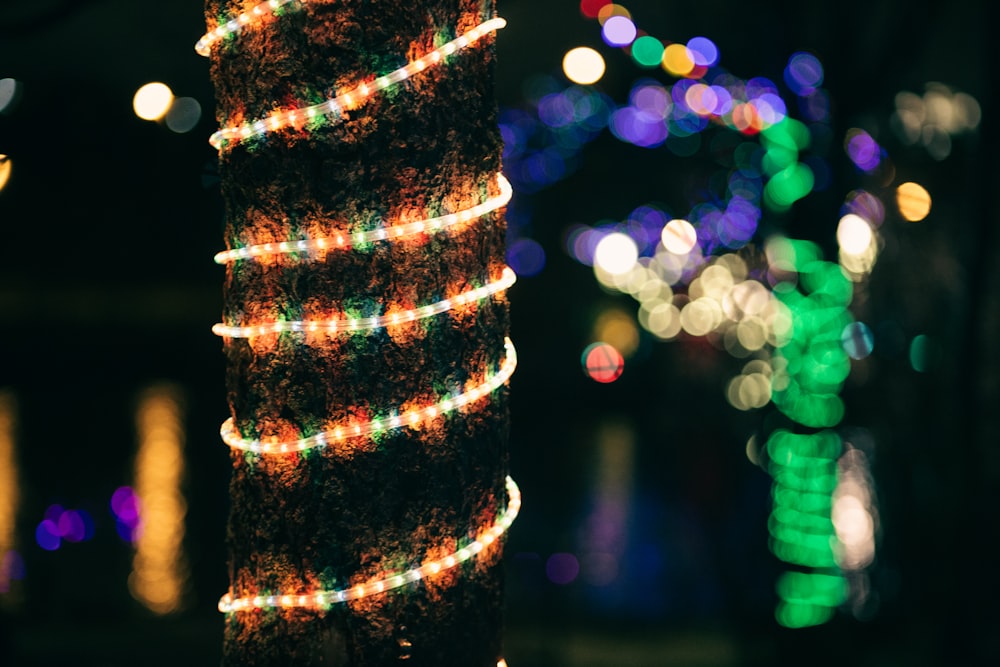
{"points": [[353, 98], [359, 324], [327, 598], [235, 24], [356, 429], [346, 240]]}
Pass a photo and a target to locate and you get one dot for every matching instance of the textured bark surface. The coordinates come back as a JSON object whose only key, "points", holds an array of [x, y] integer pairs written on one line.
{"points": [[377, 506]]}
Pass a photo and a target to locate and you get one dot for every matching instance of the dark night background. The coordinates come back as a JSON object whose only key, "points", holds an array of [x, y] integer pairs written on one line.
{"points": [[107, 286]]}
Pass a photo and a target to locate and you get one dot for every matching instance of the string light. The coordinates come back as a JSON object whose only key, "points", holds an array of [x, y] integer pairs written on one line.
{"points": [[356, 429], [347, 240], [326, 598], [353, 98], [235, 24], [370, 323], [309, 118]]}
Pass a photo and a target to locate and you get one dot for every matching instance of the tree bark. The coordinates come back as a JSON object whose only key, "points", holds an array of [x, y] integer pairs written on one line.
{"points": [[332, 518]]}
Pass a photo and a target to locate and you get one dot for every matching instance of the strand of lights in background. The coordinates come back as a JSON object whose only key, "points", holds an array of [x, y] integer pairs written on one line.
{"points": [[331, 109], [360, 324], [158, 567], [231, 26], [324, 599], [347, 240], [407, 418], [806, 527]]}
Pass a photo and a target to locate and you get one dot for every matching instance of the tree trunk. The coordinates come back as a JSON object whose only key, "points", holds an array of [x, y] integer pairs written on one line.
{"points": [[368, 507]]}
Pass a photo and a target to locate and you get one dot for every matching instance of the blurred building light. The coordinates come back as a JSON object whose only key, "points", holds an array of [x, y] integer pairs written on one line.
{"points": [[152, 101], [9, 492], [159, 570]]}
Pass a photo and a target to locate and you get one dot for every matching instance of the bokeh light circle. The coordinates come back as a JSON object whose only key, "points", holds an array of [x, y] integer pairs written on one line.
{"points": [[679, 236], [647, 51], [616, 253], [602, 362], [184, 114], [526, 256], [914, 201], [152, 101], [677, 60], [562, 568], [854, 234], [703, 51], [619, 31], [858, 340], [583, 65], [591, 8]]}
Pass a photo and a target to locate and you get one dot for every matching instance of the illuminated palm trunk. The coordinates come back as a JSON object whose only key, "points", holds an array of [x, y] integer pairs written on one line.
{"points": [[375, 543]]}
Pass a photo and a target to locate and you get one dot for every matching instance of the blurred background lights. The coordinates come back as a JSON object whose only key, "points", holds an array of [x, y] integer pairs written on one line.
{"points": [[159, 570], [863, 150], [858, 340], [152, 101], [804, 73], [592, 8], [677, 60], [932, 119], [10, 92], [616, 253], [618, 31], [5, 168], [914, 201], [602, 362], [183, 115], [562, 568], [526, 257], [618, 329], [679, 237], [9, 489], [62, 524], [609, 10], [647, 51], [703, 51], [583, 65], [854, 234], [125, 510]]}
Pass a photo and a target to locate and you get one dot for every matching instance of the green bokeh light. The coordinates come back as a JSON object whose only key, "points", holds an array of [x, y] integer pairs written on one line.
{"points": [[647, 51]]}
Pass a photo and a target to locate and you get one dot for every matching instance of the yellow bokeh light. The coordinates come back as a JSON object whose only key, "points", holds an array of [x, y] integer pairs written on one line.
{"points": [[5, 168], [854, 234], [914, 201], [152, 101], [677, 60], [617, 328], [611, 9], [701, 316], [583, 65], [158, 567], [662, 320]]}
